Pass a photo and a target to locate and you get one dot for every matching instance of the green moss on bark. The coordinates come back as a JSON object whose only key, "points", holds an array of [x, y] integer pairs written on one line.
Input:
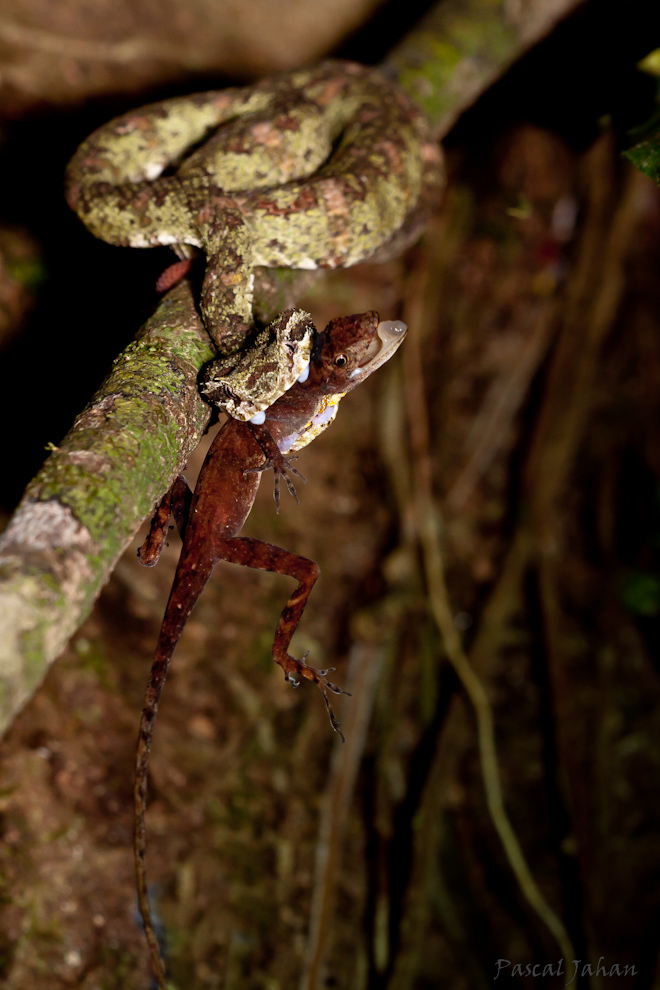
{"points": [[137, 432], [462, 46], [94, 490]]}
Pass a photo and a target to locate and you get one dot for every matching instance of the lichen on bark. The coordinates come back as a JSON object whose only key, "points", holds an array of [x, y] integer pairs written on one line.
{"points": [[461, 47]]}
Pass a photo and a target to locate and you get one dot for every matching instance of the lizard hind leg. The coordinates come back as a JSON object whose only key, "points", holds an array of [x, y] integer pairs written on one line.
{"points": [[255, 553], [175, 502]]}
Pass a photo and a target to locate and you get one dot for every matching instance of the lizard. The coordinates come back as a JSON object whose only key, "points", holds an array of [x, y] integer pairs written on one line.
{"points": [[344, 355]]}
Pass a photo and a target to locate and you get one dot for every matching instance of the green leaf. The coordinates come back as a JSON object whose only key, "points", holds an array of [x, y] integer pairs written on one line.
{"points": [[646, 155]]}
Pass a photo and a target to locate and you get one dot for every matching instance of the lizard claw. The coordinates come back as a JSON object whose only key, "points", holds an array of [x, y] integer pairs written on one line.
{"points": [[319, 678], [281, 466]]}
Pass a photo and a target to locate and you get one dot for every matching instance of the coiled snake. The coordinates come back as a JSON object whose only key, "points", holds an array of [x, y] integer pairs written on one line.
{"points": [[319, 168]]}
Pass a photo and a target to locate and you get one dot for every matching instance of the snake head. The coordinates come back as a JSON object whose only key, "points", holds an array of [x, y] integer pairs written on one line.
{"points": [[351, 348]]}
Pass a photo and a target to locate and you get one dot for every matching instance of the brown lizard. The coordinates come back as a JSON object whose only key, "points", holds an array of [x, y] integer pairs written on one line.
{"points": [[345, 354]]}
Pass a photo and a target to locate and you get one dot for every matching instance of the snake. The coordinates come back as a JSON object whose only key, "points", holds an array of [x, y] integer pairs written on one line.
{"points": [[317, 168]]}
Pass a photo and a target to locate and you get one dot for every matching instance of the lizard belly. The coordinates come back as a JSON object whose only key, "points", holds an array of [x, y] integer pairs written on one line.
{"points": [[226, 488]]}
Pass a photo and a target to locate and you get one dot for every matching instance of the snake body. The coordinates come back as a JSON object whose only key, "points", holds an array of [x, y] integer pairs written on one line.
{"points": [[317, 168]]}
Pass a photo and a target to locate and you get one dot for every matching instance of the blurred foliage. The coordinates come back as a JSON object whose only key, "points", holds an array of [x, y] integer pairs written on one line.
{"points": [[641, 593]]}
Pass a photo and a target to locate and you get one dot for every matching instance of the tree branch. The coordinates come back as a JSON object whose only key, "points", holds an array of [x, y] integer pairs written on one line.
{"points": [[84, 506], [461, 47]]}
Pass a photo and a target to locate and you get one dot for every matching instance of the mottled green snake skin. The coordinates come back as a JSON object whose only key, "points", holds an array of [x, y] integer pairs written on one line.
{"points": [[319, 168]]}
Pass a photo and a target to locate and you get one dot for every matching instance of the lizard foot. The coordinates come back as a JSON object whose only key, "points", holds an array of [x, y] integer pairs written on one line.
{"points": [[282, 467], [295, 669]]}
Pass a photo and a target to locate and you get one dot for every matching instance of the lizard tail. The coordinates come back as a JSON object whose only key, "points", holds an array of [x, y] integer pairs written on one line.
{"points": [[183, 597]]}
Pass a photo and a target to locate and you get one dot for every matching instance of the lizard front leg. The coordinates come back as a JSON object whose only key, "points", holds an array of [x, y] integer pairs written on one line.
{"points": [[264, 556], [276, 460]]}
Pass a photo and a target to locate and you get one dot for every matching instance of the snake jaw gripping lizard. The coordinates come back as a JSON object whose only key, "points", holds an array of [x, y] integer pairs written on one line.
{"points": [[319, 168]]}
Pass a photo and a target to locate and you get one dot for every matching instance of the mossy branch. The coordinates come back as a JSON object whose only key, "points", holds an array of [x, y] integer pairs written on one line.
{"points": [[461, 47], [84, 506]]}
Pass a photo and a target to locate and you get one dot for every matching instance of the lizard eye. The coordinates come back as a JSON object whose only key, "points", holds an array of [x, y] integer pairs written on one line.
{"points": [[341, 360]]}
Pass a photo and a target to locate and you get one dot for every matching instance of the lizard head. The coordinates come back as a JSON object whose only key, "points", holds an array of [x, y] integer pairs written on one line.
{"points": [[351, 348]]}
